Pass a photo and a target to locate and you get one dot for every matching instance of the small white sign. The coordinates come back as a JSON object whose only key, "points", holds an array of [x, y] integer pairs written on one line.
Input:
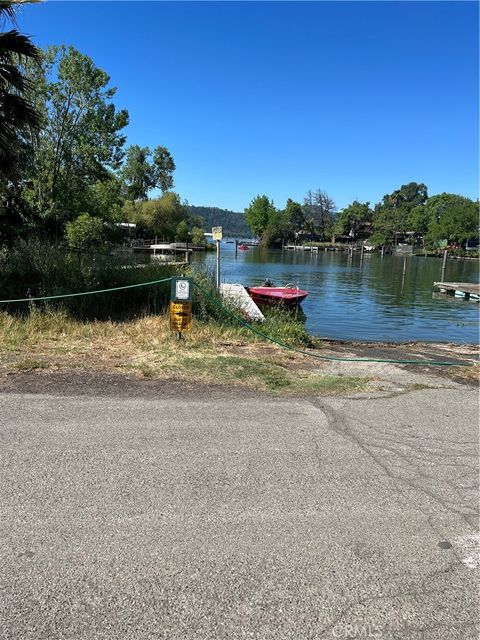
{"points": [[217, 233], [182, 290]]}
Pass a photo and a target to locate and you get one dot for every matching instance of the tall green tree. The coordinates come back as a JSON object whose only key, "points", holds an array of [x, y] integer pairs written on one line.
{"points": [[452, 217], [163, 168], [182, 232], [259, 213], [393, 215], [81, 139], [295, 217], [144, 170], [104, 199], [86, 232], [277, 231], [19, 119], [159, 216], [197, 236], [137, 172], [350, 219]]}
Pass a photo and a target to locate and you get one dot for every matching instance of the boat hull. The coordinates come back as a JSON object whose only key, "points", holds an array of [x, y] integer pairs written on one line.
{"points": [[277, 295]]}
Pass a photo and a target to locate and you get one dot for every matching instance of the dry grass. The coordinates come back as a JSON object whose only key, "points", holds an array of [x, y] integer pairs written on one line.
{"points": [[469, 374], [211, 353]]}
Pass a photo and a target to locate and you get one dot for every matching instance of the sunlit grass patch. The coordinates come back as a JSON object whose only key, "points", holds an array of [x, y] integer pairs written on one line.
{"points": [[469, 374], [418, 386], [236, 369], [30, 364], [327, 385]]}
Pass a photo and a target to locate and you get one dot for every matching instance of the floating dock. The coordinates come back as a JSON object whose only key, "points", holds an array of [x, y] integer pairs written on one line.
{"points": [[237, 295], [467, 290]]}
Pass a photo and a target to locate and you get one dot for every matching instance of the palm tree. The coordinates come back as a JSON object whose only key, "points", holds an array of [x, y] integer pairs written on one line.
{"points": [[18, 118]]}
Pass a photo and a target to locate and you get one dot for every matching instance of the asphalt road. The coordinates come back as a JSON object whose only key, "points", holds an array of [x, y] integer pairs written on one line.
{"points": [[201, 518]]}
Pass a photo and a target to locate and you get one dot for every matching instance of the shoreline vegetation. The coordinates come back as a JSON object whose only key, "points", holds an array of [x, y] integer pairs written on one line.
{"points": [[214, 353], [145, 347], [127, 332], [72, 193]]}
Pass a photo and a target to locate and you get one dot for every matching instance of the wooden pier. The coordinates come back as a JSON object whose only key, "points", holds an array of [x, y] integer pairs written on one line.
{"points": [[465, 290], [166, 247]]}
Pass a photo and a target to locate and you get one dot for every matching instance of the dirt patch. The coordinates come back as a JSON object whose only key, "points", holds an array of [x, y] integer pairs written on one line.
{"points": [[466, 355], [76, 382]]}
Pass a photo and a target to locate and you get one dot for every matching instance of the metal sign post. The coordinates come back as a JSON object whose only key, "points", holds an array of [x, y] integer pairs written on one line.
{"points": [[181, 305], [217, 234]]}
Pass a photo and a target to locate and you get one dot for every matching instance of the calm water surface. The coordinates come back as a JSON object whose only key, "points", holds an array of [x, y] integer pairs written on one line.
{"points": [[371, 301]]}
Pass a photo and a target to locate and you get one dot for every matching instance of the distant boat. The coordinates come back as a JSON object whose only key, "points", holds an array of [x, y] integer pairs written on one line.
{"points": [[268, 294], [243, 247]]}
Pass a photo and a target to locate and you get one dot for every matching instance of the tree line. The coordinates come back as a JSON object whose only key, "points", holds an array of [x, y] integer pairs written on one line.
{"points": [[407, 214], [233, 222], [65, 172], [67, 175]]}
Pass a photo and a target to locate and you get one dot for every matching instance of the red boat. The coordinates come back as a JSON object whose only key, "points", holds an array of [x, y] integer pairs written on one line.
{"points": [[286, 296], [243, 247]]}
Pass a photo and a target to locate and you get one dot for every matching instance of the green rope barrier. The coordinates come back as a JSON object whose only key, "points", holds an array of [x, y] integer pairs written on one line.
{"points": [[87, 293], [315, 355]]}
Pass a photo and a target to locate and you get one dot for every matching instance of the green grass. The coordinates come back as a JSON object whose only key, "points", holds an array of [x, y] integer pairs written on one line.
{"points": [[30, 364], [328, 385], [417, 386], [211, 353], [229, 368], [266, 374], [282, 325]]}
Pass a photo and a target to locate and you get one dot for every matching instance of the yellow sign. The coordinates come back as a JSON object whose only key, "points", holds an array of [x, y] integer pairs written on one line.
{"points": [[217, 233], [180, 316]]}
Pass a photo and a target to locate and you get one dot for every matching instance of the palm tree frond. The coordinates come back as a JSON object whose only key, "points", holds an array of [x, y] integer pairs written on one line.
{"points": [[11, 76], [7, 10], [13, 42], [16, 110], [18, 117]]}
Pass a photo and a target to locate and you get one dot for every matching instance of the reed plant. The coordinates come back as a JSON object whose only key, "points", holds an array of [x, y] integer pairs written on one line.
{"points": [[37, 269]]}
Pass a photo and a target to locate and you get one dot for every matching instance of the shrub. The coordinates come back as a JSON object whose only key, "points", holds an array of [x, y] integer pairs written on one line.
{"points": [[85, 232]]}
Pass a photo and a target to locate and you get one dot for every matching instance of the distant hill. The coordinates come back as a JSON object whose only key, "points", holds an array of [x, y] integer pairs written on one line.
{"points": [[233, 222]]}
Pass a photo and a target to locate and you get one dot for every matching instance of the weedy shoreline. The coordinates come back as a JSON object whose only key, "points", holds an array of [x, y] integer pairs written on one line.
{"points": [[213, 353]]}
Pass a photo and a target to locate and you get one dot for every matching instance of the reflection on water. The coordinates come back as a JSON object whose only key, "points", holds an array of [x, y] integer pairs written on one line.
{"points": [[380, 298]]}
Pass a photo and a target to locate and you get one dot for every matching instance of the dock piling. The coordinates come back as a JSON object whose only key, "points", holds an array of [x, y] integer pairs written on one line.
{"points": [[444, 264]]}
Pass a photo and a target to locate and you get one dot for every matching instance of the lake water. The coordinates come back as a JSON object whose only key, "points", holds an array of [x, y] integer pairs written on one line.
{"points": [[373, 300]]}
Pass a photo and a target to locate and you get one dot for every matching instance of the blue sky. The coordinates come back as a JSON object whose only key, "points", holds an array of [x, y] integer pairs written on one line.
{"points": [[276, 98]]}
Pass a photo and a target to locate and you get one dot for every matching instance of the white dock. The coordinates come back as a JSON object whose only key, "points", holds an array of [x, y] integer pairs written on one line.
{"points": [[237, 295]]}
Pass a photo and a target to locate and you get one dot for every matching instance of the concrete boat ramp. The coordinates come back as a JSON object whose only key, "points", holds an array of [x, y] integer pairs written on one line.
{"points": [[237, 295]]}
